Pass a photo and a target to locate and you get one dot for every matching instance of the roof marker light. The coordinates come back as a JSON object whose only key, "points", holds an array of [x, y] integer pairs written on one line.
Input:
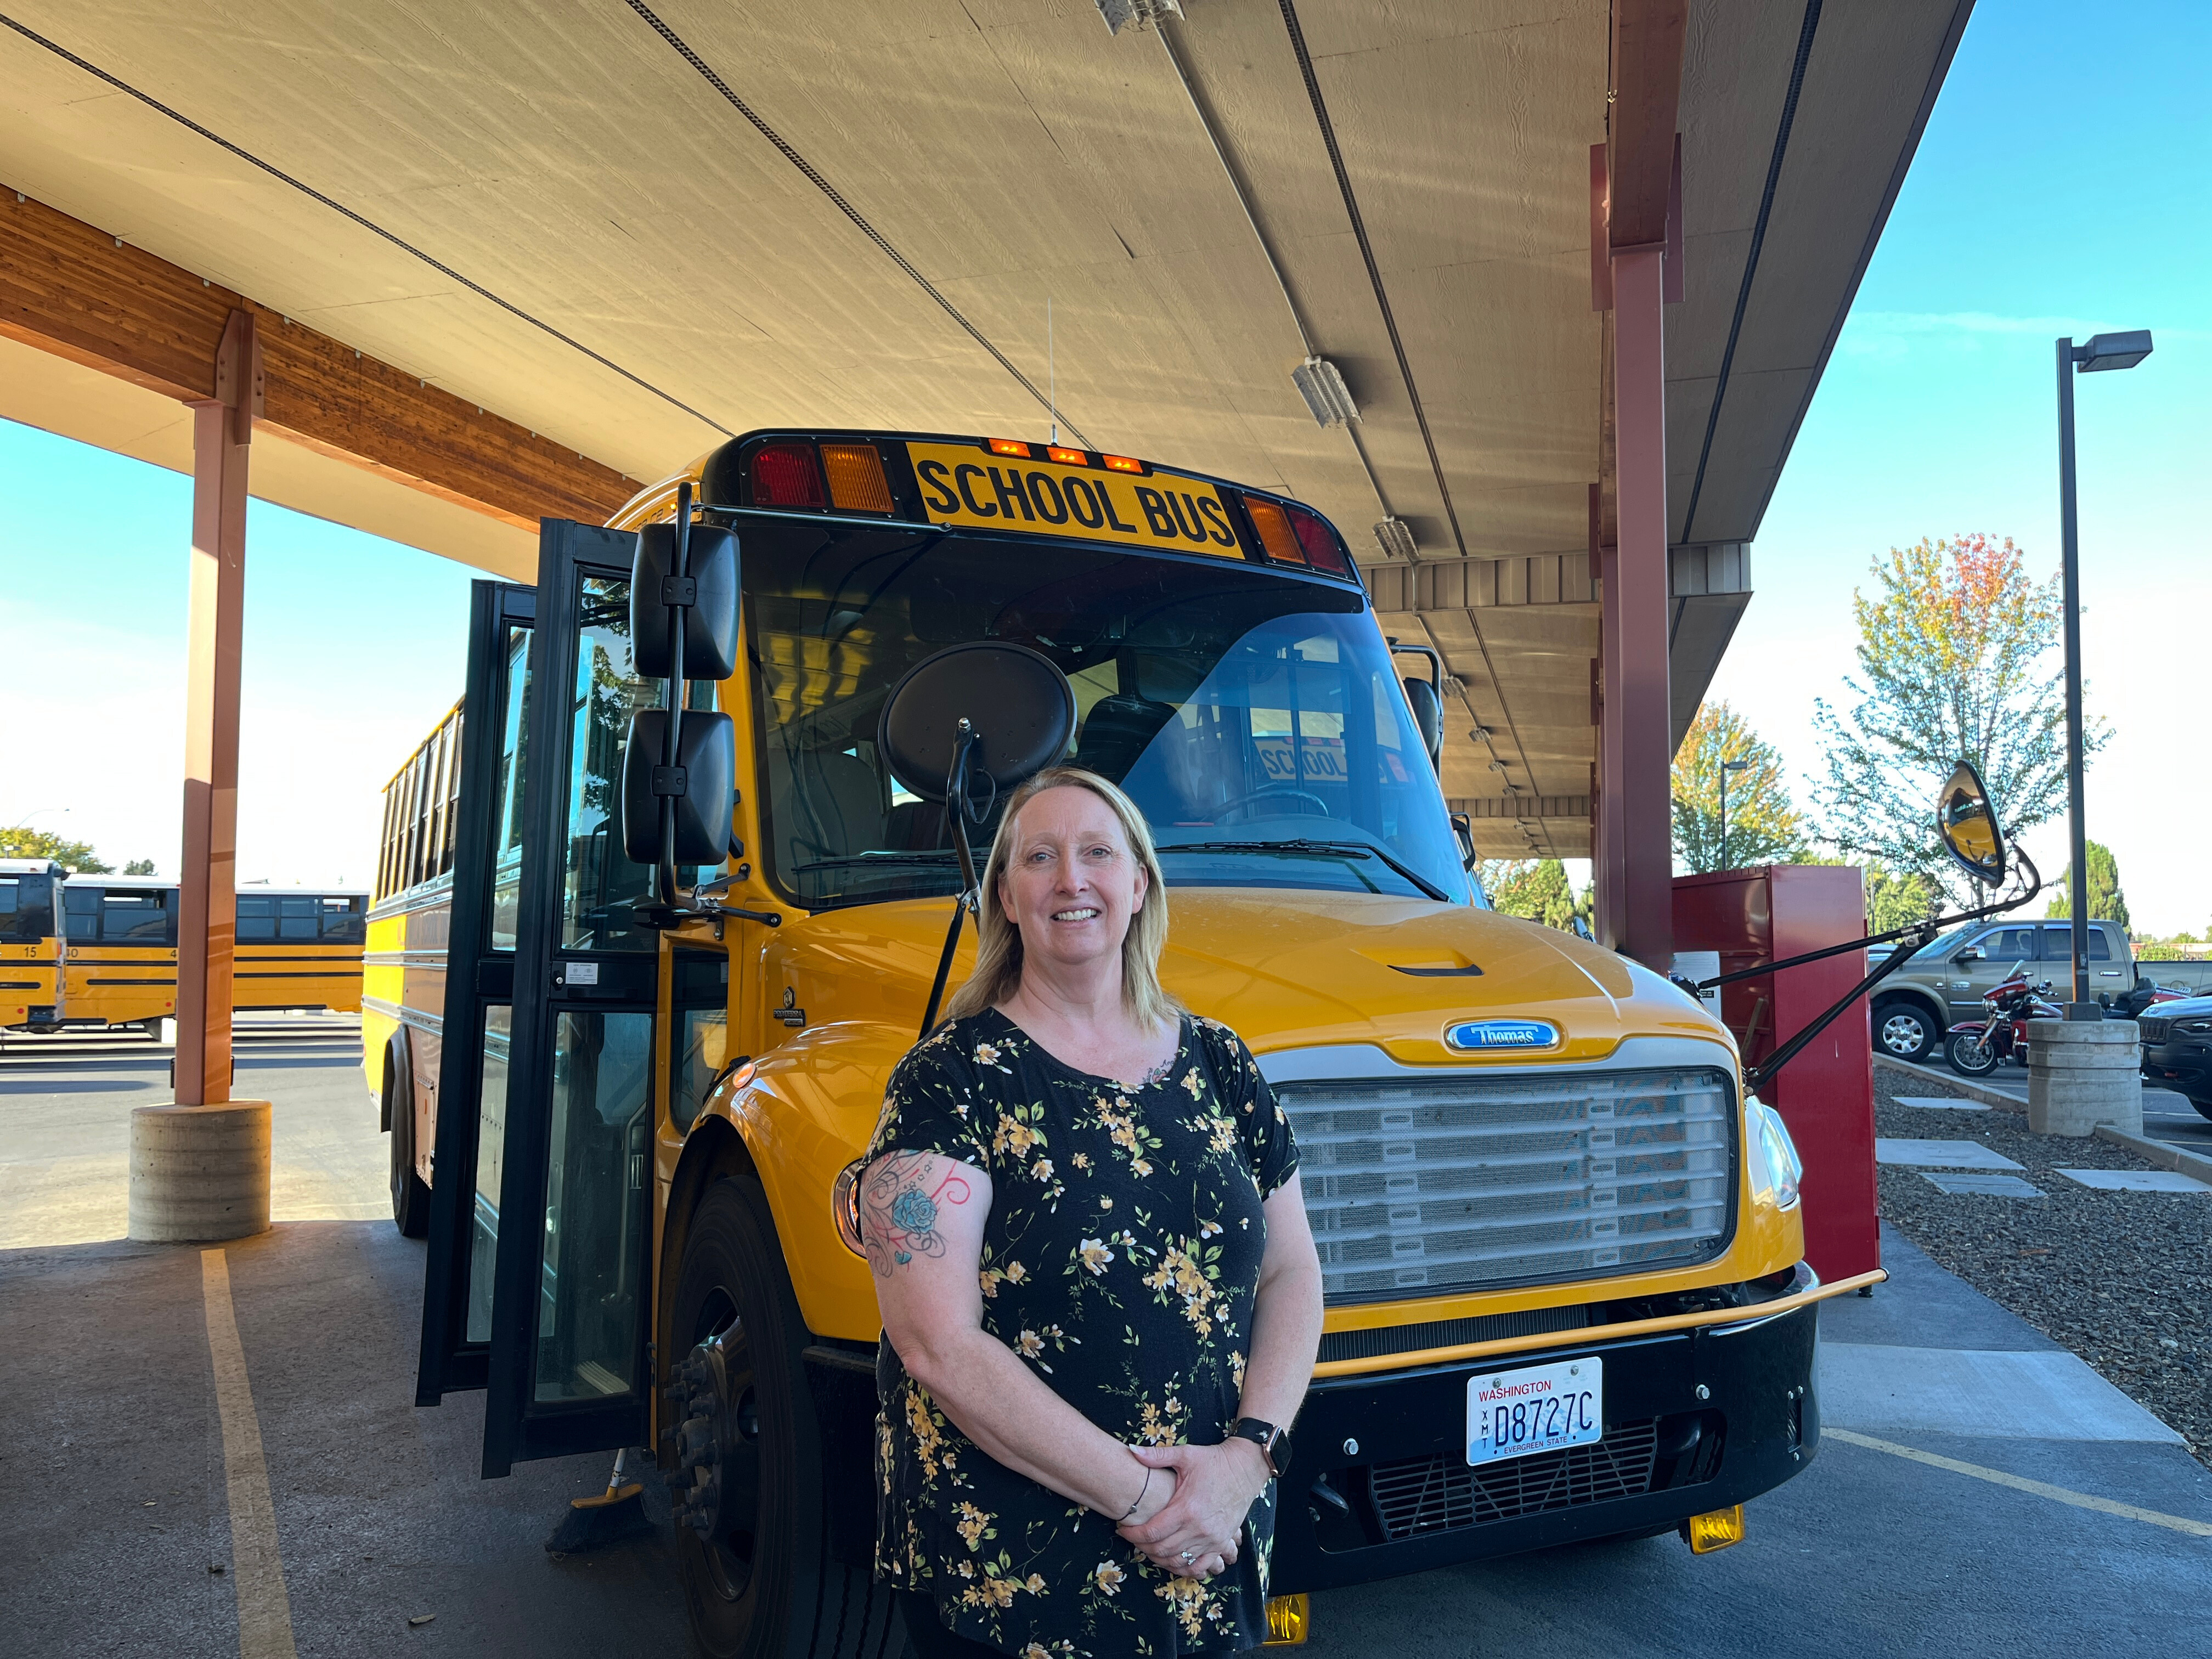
{"points": [[1319, 542], [1122, 463], [1068, 457], [1009, 447]]}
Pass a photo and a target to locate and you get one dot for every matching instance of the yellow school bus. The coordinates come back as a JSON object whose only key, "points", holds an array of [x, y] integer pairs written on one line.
{"points": [[297, 948], [31, 945], [1524, 1155]]}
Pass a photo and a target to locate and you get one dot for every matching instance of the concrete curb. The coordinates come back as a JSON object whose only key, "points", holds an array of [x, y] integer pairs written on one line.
{"points": [[1952, 1080], [2158, 1152]]}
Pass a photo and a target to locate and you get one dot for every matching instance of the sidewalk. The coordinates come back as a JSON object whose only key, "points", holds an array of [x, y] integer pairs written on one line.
{"points": [[2166, 1116]]}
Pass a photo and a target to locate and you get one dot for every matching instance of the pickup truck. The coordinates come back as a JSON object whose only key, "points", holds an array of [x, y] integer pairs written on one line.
{"points": [[1945, 983]]}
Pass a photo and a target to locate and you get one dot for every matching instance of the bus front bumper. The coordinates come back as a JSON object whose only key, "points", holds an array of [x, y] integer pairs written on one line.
{"points": [[1695, 1420]]}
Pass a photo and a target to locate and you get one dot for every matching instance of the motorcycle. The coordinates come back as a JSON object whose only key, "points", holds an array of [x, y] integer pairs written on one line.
{"points": [[1975, 1047], [2131, 1005]]}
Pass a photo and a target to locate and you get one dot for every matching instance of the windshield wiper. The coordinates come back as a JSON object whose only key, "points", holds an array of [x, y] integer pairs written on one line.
{"points": [[854, 859], [1345, 849]]}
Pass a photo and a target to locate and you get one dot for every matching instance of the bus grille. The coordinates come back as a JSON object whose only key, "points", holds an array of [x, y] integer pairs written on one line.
{"points": [[1415, 1187], [1439, 1492]]}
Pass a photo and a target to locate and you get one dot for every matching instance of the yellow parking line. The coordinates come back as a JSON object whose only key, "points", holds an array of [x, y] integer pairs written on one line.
{"points": [[2080, 1500], [265, 1613]]}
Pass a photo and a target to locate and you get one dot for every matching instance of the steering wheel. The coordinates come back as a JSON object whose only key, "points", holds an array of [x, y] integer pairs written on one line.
{"points": [[1319, 807]]}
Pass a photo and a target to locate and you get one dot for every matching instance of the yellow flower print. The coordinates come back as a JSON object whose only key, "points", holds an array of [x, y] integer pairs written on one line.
{"points": [[1190, 1082], [1224, 1136], [1152, 1429], [1081, 1160], [1207, 1228], [1095, 1254], [987, 1053], [1028, 1345], [1186, 1598], [1014, 1136], [991, 1278], [1016, 1272], [1042, 1169], [1034, 1584], [1109, 1577], [971, 1524]]}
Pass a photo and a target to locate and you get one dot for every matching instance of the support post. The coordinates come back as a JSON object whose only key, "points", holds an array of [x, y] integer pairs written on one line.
{"points": [[1609, 875], [223, 429], [2081, 1005], [1644, 926]]}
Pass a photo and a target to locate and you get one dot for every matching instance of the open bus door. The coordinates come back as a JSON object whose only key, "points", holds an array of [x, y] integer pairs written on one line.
{"points": [[546, 1181]]}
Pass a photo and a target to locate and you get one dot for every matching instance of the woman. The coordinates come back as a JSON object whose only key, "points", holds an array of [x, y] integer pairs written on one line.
{"points": [[1100, 1296]]}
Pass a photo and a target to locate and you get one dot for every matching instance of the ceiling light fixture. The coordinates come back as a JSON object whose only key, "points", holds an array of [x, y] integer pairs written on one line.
{"points": [[1321, 383], [1120, 14], [1396, 537]]}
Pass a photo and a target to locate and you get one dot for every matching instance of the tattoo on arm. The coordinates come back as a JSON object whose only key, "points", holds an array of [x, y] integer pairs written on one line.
{"points": [[899, 1209]]}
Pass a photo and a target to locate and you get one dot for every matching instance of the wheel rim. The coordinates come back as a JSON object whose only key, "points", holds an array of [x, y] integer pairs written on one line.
{"points": [[1901, 1034], [717, 1488]]}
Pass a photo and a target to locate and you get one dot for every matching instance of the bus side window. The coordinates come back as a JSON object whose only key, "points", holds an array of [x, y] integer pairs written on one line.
{"points": [[296, 918], [82, 905], [9, 886], [343, 922], [136, 918], [256, 918]]}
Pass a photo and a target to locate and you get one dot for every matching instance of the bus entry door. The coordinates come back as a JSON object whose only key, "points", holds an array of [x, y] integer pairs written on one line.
{"points": [[568, 1367]]}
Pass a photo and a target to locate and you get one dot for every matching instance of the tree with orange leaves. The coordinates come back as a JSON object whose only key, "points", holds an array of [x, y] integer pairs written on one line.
{"points": [[1958, 653]]}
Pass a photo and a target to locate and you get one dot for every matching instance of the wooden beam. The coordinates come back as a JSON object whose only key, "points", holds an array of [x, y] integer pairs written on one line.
{"points": [[1647, 92], [72, 289]]}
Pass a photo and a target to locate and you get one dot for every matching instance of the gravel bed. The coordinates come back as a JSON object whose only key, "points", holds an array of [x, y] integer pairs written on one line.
{"points": [[2124, 1280]]}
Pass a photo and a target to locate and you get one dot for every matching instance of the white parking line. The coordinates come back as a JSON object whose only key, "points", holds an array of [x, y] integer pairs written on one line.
{"points": [[2080, 1500], [264, 1612]]}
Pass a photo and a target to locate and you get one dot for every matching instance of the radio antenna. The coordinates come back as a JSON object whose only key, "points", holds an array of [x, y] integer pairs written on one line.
{"points": [[1051, 375]]}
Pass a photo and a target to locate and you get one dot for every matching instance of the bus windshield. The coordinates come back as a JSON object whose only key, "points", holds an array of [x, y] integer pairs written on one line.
{"points": [[1254, 717]]}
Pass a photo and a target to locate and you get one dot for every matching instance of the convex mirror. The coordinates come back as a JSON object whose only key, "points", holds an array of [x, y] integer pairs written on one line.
{"points": [[1429, 716], [1016, 700], [1968, 825]]}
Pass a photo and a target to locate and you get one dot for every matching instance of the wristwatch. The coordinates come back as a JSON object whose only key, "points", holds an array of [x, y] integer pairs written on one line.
{"points": [[1274, 1443]]}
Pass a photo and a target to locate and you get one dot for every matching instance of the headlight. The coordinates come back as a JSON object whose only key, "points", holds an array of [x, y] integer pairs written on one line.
{"points": [[2193, 1025], [1768, 1136]]}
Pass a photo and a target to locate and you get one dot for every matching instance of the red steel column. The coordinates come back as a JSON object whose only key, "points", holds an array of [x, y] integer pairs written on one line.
{"points": [[1609, 877], [223, 429], [1644, 926]]}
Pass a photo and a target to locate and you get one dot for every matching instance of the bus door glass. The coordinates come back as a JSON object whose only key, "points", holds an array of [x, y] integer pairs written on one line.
{"points": [[567, 1320], [478, 1015]]}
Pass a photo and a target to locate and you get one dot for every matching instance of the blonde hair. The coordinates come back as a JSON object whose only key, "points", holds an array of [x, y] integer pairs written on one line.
{"points": [[998, 973]]}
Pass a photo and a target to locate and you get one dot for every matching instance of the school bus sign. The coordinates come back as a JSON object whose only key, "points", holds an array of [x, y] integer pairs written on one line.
{"points": [[963, 484]]}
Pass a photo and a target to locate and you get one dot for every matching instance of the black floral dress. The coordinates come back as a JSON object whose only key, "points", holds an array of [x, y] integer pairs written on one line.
{"points": [[1121, 1261]]}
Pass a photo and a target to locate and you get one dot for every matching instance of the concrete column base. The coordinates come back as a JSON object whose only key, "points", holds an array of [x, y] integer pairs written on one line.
{"points": [[2081, 1074], [199, 1173]]}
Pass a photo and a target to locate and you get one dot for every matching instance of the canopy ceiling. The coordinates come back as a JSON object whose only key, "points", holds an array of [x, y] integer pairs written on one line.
{"points": [[632, 231]]}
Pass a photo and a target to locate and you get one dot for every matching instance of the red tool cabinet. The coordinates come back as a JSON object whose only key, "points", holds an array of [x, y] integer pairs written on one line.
{"points": [[1825, 1094]]}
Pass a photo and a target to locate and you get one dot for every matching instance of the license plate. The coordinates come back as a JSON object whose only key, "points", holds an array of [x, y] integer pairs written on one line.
{"points": [[1538, 1408]]}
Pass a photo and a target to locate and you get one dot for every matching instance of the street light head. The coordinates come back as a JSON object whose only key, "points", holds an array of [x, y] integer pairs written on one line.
{"points": [[2122, 350], [1735, 766]]}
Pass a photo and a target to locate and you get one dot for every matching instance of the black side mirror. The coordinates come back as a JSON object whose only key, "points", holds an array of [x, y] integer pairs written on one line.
{"points": [[1429, 716], [705, 594], [704, 789], [1463, 833]]}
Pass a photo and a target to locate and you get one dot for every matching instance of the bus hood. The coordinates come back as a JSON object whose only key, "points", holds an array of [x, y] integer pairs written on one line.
{"points": [[1284, 968]]}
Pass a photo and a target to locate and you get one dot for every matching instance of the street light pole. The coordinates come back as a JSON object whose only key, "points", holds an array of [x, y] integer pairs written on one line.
{"points": [[2104, 351]]}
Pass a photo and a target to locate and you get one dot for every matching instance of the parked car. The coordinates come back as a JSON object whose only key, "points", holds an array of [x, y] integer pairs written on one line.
{"points": [[2190, 974], [2177, 1048], [1945, 983]]}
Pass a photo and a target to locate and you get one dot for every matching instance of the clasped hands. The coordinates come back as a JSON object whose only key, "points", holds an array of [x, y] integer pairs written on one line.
{"points": [[1191, 1529]]}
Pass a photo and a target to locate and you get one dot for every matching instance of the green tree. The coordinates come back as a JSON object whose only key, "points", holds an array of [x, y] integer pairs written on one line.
{"points": [[22, 843], [1895, 900], [1763, 826], [1954, 652], [2106, 901], [139, 867], [1537, 889]]}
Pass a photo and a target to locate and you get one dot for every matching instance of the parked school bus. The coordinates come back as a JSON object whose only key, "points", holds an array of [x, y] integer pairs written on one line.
{"points": [[296, 948], [1520, 1151]]}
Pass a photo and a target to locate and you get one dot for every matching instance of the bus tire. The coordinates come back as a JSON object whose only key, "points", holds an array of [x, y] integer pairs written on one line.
{"points": [[410, 1193], [752, 1520]]}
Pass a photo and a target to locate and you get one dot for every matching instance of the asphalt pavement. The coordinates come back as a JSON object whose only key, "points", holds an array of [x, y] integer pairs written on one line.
{"points": [[1979, 1491], [2167, 1116]]}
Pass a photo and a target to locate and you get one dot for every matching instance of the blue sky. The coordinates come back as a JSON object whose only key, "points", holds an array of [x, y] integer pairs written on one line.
{"points": [[2044, 199]]}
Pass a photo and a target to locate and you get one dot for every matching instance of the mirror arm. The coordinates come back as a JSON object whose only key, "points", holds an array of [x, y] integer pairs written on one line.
{"points": [[1921, 933], [956, 816]]}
